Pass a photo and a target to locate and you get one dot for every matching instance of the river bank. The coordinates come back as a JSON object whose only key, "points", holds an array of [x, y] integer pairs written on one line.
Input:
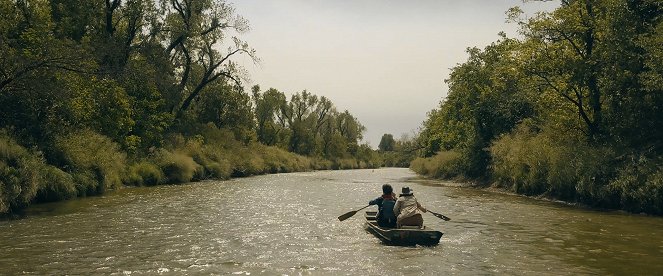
{"points": [[88, 164], [493, 187]]}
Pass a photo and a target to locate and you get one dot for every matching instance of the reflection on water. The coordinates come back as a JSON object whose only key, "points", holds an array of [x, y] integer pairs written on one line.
{"points": [[286, 224]]}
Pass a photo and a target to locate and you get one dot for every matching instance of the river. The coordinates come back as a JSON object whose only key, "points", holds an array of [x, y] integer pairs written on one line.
{"points": [[285, 224]]}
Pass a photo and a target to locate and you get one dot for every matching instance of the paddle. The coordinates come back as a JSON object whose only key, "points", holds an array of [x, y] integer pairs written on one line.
{"points": [[445, 218], [349, 214]]}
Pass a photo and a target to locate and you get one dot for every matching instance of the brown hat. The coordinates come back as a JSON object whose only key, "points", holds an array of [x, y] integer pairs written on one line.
{"points": [[406, 191]]}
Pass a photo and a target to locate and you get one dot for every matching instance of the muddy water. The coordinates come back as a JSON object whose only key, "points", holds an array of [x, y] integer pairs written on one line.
{"points": [[286, 224]]}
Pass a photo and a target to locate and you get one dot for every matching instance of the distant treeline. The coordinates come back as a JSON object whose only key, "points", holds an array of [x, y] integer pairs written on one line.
{"points": [[572, 110], [99, 94]]}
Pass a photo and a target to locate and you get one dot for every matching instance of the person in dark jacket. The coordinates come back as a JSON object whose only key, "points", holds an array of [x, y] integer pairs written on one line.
{"points": [[385, 203]]}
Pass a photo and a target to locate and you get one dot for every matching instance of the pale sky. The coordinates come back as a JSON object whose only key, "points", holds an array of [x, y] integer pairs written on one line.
{"points": [[384, 61]]}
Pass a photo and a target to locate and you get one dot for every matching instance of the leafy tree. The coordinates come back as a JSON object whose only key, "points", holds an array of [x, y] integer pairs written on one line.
{"points": [[387, 143], [267, 107], [194, 30], [141, 81], [568, 111], [300, 121], [227, 107], [565, 53], [351, 130], [487, 97]]}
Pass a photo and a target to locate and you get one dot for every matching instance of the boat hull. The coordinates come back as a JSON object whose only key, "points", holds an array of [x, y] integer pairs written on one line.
{"points": [[402, 236]]}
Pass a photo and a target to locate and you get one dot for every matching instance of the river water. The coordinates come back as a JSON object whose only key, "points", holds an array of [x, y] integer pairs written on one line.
{"points": [[286, 224]]}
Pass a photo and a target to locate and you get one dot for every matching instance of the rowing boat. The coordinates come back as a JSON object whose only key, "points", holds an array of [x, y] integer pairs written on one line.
{"points": [[407, 235]]}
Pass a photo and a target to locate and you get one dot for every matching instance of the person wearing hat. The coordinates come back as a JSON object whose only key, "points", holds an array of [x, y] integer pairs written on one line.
{"points": [[408, 210], [385, 203]]}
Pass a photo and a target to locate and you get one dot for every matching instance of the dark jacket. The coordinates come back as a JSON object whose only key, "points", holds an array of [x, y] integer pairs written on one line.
{"points": [[386, 216]]}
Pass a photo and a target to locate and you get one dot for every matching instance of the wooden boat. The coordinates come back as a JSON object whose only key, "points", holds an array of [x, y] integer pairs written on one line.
{"points": [[407, 235]]}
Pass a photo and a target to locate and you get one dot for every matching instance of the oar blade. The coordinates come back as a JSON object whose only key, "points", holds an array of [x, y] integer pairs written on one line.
{"points": [[445, 218], [346, 215]]}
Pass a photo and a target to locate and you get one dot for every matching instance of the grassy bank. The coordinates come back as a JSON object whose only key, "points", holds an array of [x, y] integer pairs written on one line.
{"points": [[567, 169], [86, 163]]}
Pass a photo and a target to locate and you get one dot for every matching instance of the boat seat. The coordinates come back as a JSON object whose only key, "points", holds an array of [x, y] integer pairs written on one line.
{"points": [[412, 227]]}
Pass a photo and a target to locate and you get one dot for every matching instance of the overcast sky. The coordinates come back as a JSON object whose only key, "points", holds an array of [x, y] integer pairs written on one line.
{"points": [[383, 60]]}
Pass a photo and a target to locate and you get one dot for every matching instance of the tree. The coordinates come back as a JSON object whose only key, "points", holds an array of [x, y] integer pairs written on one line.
{"points": [[29, 47], [565, 55], [226, 107], [351, 130], [301, 123], [194, 30], [488, 96], [387, 143], [267, 107]]}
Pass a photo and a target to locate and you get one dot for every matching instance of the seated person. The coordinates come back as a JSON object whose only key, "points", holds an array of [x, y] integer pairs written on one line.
{"points": [[408, 210], [385, 203]]}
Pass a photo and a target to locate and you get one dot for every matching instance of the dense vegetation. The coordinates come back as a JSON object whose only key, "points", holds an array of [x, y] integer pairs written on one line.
{"points": [[398, 152], [571, 110], [99, 94]]}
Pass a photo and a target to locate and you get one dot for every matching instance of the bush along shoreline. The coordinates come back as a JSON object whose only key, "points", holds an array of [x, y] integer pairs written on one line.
{"points": [[569, 111], [95, 97], [90, 164]]}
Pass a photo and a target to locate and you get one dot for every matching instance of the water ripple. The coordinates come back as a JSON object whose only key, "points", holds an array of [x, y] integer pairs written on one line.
{"points": [[286, 224]]}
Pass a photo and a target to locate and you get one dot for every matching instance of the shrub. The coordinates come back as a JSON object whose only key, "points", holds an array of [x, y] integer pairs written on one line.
{"points": [[544, 164], [144, 174], [19, 175], [219, 170], [57, 185], [445, 164], [519, 162], [94, 161], [639, 185], [322, 164], [345, 164], [177, 167]]}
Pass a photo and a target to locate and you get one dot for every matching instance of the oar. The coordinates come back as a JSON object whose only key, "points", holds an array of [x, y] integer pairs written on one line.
{"points": [[350, 214], [445, 218]]}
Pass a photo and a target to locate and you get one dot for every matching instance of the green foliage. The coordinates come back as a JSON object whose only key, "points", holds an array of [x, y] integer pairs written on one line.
{"points": [[148, 105], [541, 164], [345, 164], [445, 164], [559, 112], [487, 97], [404, 151], [639, 185], [267, 106], [56, 185], [177, 167], [100, 105], [387, 143], [306, 124], [228, 108], [19, 175], [95, 162], [144, 174], [87, 84]]}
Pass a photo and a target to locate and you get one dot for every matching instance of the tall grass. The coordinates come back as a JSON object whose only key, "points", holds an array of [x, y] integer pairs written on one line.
{"points": [[445, 164], [144, 173], [177, 167], [577, 171], [19, 175], [87, 163], [216, 154], [57, 185], [542, 164], [95, 162]]}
